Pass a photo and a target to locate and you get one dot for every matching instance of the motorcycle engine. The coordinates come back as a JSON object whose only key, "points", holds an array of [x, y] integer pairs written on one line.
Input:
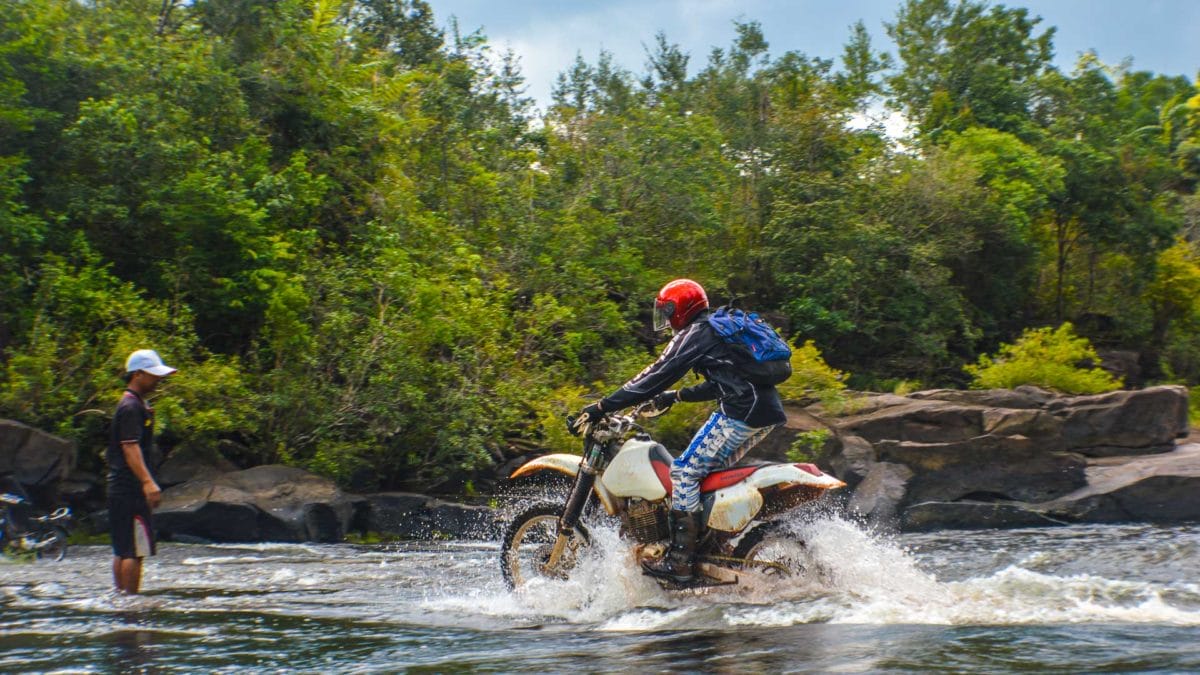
{"points": [[646, 521]]}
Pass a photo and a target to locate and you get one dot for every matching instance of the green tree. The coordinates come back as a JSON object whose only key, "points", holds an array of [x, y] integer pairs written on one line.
{"points": [[965, 63]]}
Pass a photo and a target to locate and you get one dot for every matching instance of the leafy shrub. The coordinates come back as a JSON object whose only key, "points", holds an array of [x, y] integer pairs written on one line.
{"points": [[812, 378], [808, 445], [1055, 359]]}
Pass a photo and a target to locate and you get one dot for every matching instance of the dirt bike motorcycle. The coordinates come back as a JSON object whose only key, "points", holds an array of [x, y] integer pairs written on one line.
{"points": [[45, 536], [627, 473]]}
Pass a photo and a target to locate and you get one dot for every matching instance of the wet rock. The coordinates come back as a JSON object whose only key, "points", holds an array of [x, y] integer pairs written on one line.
{"points": [[1154, 488], [401, 514], [266, 503], [33, 457], [852, 461], [463, 521], [878, 496], [416, 516], [972, 515]]}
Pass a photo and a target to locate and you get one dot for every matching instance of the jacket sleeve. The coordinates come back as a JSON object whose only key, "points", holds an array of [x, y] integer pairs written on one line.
{"points": [[684, 350], [705, 391]]}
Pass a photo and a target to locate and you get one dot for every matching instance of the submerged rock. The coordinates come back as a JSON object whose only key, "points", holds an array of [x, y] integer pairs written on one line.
{"points": [[972, 515]]}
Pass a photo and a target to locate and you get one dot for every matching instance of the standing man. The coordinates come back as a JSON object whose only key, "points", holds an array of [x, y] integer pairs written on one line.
{"points": [[132, 490]]}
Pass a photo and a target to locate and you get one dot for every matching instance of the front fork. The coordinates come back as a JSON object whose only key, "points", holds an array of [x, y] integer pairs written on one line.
{"points": [[585, 480]]}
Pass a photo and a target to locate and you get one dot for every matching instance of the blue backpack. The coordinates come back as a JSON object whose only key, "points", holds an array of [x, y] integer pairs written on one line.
{"points": [[761, 356]]}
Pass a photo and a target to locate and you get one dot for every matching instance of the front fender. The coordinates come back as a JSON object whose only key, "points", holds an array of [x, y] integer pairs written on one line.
{"points": [[567, 465]]}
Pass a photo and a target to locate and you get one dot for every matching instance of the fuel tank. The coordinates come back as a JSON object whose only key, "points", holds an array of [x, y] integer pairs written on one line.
{"points": [[638, 470]]}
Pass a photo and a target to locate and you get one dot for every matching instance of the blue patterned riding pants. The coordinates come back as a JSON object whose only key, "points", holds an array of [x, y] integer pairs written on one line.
{"points": [[722, 441]]}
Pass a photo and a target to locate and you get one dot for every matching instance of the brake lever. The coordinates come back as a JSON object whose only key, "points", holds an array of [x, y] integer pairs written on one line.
{"points": [[572, 428], [648, 410]]}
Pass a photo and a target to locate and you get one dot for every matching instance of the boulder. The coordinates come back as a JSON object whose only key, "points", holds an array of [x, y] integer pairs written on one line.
{"points": [[1146, 420], [190, 463], [921, 421], [82, 491], [1133, 488], [1123, 365], [266, 503], [776, 446], [852, 461], [33, 457], [1000, 467], [416, 516], [1021, 398]]}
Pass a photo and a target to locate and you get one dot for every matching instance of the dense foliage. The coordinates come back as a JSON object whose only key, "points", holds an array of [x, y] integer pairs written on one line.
{"points": [[369, 255], [1053, 359]]}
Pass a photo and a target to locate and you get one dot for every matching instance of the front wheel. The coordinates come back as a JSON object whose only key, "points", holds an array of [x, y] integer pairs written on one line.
{"points": [[528, 542], [772, 550], [52, 544]]}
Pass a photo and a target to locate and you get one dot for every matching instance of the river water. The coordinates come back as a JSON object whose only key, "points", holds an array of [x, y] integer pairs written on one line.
{"points": [[1070, 599]]}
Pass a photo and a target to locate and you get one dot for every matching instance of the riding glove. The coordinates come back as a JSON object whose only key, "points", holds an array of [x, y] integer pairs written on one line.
{"points": [[589, 415]]}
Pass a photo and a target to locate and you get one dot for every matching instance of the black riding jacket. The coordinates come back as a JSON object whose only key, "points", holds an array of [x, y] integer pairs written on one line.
{"points": [[698, 347]]}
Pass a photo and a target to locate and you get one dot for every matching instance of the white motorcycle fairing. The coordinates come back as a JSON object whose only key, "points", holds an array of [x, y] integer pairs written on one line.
{"points": [[632, 474], [730, 509], [569, 465], [735, 506]]}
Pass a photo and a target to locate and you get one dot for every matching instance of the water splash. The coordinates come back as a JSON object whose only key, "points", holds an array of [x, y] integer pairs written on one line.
{"points": [[855, 577]]}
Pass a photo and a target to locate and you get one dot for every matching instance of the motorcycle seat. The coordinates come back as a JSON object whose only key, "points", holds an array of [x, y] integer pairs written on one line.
{"points": [[721, 478]]}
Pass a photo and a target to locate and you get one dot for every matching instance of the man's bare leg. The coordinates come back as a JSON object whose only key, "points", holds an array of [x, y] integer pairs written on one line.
{"points": [[118, 578], [130, 575]]}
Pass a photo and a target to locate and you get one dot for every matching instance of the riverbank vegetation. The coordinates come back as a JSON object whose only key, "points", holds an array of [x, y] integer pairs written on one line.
{"points": [[371, 256]]}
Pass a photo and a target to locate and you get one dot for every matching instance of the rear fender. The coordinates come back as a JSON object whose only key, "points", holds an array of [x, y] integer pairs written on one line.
{"points": [[732, 508], [793, 474], [569, 466]]}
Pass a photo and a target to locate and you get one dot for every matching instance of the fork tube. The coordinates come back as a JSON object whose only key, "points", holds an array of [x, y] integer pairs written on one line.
{"points": [[580, 491], [575, 502]]}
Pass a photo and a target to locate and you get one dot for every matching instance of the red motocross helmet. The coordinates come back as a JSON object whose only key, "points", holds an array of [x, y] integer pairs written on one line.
{"points": [[678, 303]]}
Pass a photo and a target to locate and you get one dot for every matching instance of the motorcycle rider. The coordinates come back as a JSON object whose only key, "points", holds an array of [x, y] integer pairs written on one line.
{"points": [[746, 413]]}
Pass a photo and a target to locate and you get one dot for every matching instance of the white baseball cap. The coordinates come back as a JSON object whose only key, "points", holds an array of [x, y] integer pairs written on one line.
{"points": [[149, 361]]}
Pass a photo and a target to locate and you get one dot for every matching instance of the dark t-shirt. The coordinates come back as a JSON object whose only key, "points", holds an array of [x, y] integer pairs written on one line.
{"points": [[133, 421]]}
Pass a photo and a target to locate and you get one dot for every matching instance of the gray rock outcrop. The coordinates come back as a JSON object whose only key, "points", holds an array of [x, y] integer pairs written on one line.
{"points": [[265, 503], [33, 457], [947, 458], [415, 516]]}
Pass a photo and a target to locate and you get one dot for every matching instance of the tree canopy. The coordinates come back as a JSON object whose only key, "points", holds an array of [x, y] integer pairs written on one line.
{"points": [[370, 255]]}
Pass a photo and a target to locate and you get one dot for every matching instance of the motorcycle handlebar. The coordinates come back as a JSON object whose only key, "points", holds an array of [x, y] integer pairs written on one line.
{"points": [[641, 410]]}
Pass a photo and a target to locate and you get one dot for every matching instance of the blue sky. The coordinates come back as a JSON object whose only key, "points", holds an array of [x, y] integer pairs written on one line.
{"points": [[1159, 35]]}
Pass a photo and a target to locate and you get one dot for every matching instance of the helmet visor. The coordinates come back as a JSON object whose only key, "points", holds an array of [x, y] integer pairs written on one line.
{"points": [[662, 314]]}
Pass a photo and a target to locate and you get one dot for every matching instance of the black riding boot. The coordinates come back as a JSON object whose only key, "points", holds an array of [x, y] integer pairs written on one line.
{"points": [[676, 564]]}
